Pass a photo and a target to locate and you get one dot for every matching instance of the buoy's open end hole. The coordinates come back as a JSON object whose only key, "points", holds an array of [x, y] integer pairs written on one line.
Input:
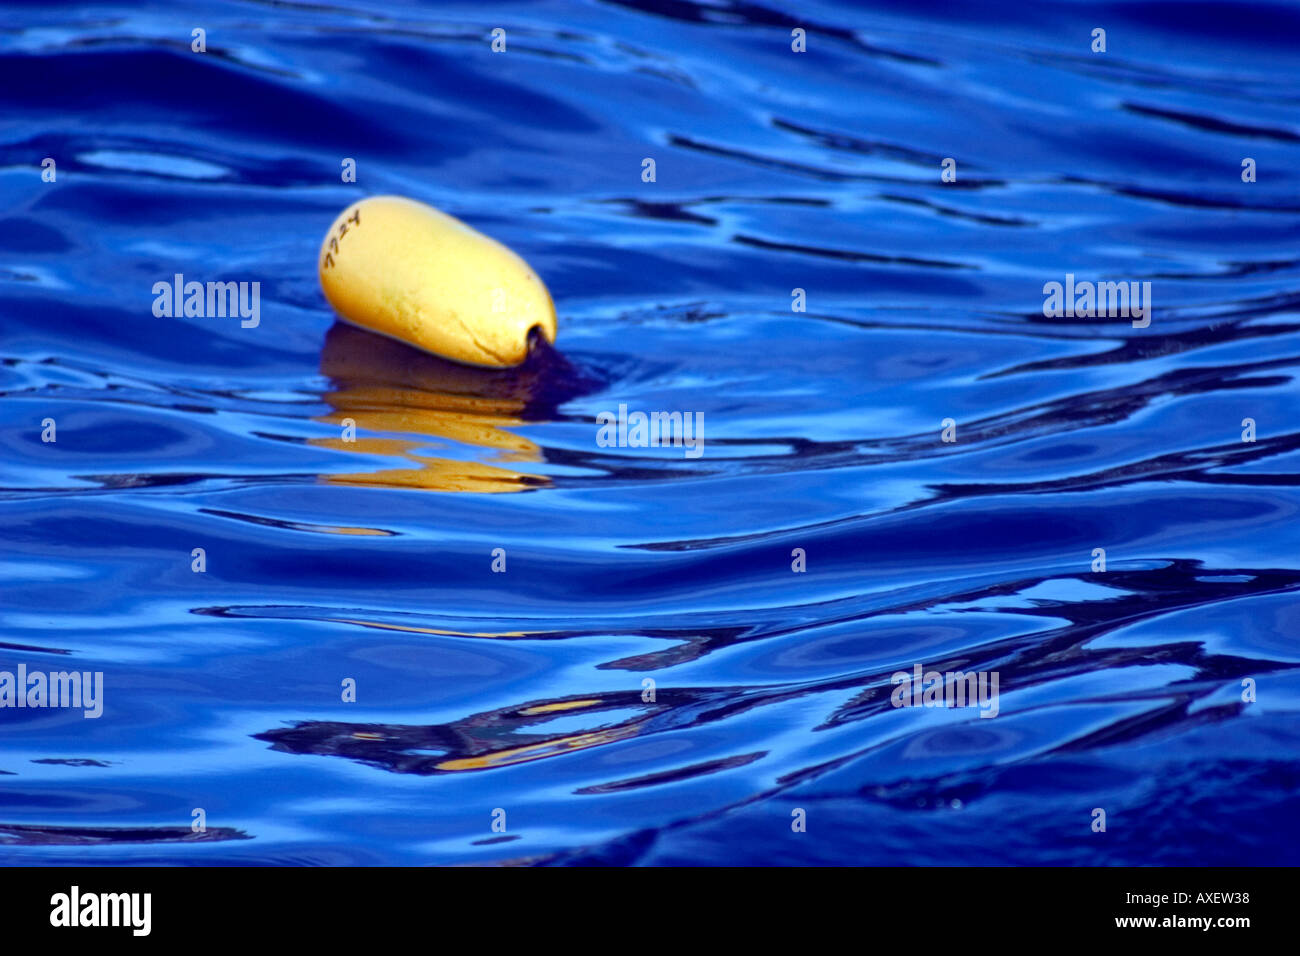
{"points": [[535, 338]]}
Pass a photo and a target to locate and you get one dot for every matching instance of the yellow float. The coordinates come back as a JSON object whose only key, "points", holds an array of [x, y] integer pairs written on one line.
{"points": [[405, 270]]}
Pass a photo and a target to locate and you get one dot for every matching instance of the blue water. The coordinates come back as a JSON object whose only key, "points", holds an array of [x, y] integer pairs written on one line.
{"points": [[523, 691]]}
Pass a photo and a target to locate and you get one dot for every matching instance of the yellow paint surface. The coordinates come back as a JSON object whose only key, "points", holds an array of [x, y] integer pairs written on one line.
{"points": [[403, 269]]}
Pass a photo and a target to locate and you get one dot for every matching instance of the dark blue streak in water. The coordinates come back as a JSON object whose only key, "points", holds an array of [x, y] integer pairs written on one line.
{"points": [[523, 691]]}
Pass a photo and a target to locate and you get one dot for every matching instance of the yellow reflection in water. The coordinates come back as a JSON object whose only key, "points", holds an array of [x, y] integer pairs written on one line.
{"points": [[550, 748], [413, 629], [387, 387], [558, 706]]}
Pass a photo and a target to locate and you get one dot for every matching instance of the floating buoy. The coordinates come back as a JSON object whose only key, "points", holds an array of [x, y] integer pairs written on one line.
{"points": [[405, 270]]}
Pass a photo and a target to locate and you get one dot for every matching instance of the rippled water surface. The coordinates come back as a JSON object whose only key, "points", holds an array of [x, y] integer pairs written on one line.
{"points": [[525, 691]]}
